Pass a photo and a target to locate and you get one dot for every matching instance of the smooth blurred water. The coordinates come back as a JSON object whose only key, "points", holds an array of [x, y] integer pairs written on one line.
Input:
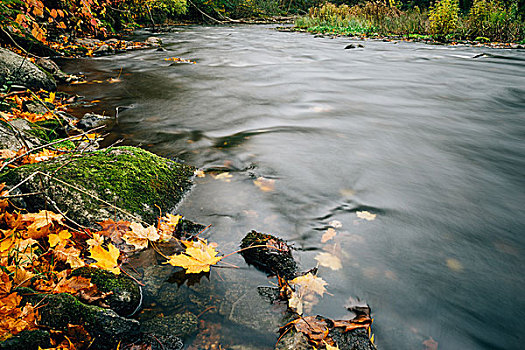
{"points": [[429, 138]]}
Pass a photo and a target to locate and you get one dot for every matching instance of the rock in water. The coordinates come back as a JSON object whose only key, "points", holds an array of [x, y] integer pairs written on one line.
{"points": [[270, 254], [20, 71]]}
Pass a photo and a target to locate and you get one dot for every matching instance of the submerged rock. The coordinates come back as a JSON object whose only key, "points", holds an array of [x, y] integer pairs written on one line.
{"points": [[126, 296], [121, 183], [271, 254], [19, 70], [91, 121], [60, 310]]}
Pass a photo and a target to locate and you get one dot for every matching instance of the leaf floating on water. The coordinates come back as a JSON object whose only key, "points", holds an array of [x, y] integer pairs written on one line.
{"points": [[454, 265], [366, 215], [335, 224], [199, 173], [329, 260], [226, 177], [346, 192], [295, 303], [265, 185], [198, 257], [140, 235], [328, 235], [309, 284], [430, 344]]}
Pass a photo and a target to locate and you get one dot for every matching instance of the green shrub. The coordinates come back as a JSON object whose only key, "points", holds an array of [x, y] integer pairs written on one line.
{"points": [[491, 19], [444, 17]]}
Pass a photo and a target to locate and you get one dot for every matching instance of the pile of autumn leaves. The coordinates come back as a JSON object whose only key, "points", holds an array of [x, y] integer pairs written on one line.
{"points": [[39, 250]]}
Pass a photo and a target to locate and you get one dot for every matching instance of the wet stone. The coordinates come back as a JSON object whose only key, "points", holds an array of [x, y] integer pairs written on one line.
{"points": [[178, 325]]}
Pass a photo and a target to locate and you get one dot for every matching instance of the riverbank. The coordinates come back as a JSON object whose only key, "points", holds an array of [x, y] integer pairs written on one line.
{"points": [[487, 23]]}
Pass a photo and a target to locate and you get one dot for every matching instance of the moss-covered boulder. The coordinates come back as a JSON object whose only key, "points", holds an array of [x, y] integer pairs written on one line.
{"points": [[125, 297], [125, 183], [104, 325], [18, 70]]}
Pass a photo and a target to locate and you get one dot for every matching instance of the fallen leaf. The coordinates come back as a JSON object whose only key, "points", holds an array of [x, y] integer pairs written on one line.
{"points": [[335, 224], [329, 260], [265, 185], [168, 225], [198, 257], [70, 255], [226, 177], [199, 173], [365, 215], [54, 239], [454, 265], [96, 240], [328, 235], [106, 259], [330, 347], [139, 236], [309, 284], [295, 303]]}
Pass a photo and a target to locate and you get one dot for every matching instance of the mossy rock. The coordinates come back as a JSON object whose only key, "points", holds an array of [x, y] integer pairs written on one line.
{"points": [[128, 178], [27, 340], [126, 295], [59, 310], [49, 130], [274, 256]]}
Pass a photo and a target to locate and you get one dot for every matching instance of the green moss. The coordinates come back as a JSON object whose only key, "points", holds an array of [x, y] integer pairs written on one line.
{"points": [[48, 130], [127, 177]]}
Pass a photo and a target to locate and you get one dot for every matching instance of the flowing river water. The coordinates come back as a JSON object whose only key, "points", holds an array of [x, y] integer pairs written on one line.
{"points": [[428, 138]]}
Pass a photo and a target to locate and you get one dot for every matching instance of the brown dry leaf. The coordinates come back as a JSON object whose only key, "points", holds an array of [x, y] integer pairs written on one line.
{"points": [[315, 328], [114, 230], [139, 236], [328, 235], [329, 260], [366, 215], [21, 276], [40, 222], [264, 184], [361, 321], [7, 153], [167, 225], [5, 285], [73, 285], [197, 258], [70, 255], [106, 259], [295, 303]]}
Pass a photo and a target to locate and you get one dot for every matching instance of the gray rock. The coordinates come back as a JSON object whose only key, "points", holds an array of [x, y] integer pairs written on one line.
{"points": [[37, 107], [112, 41], [153, 41], [20, 71], [104, 49], [91, 120], [12, 133], [52, 67], [87, 41], [129, 178]]}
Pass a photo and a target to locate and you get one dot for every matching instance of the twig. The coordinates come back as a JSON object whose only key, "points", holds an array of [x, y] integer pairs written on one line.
{"points": [[47, 145], [133, 278], [205, 14], [207, 309], [21, 195]]}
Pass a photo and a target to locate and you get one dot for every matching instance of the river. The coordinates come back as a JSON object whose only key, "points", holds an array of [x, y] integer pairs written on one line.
{"points": [[428, 138]]}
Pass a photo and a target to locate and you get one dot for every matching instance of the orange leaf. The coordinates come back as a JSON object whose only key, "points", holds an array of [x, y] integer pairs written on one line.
{"points": [[197, 258], [106, 259]]}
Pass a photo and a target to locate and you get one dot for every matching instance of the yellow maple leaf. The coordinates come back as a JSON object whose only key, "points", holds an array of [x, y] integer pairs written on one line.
{"points": [[139, 235], [197, 258], [70, 255], [54, 239], [106, 259]]}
